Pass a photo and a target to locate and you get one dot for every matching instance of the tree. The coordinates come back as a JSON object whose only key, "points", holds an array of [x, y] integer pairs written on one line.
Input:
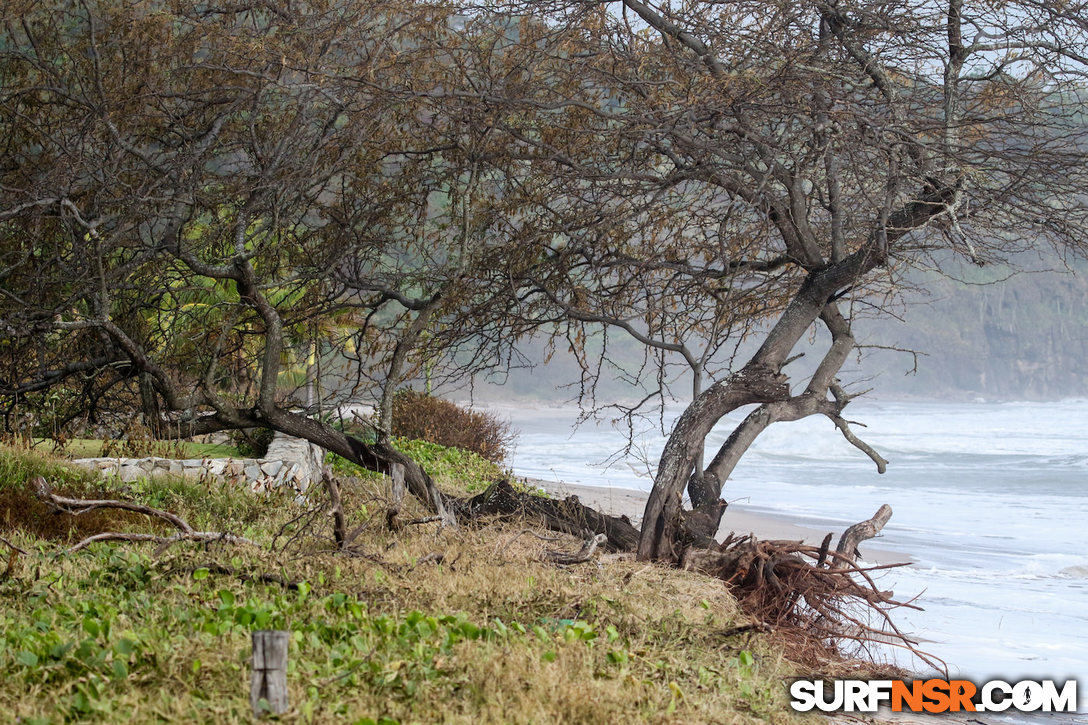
{"points": [[188, 188], [437, 185], [787, 163]]}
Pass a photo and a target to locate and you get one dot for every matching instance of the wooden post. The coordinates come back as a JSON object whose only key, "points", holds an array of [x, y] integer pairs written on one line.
{"points": [[268, 684], [397, 473], [339, 523]]}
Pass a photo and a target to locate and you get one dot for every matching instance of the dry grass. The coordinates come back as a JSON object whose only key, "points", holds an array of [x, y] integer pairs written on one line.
{"points": [[20, 510], [488, 634]]}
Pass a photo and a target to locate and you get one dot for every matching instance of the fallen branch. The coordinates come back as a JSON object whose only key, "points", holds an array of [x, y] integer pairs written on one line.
{"points": [[435, 557], [568, 515], [579, 557], [424, 520], [13, 547], [77, 506]]}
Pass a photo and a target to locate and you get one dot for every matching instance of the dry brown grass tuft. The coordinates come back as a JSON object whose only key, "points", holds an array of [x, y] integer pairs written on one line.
{"points": [[20, 509]]}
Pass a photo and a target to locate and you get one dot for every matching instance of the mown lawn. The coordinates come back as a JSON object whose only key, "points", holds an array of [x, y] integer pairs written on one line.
{"points": [[92, 448]]}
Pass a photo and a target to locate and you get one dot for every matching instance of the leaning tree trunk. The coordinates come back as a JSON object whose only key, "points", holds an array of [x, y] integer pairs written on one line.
{"points": [[378, 457], [705, 487], [761, 380], [662, 522]]}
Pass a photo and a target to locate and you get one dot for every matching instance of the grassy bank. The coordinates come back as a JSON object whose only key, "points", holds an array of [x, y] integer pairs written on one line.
{"points": [[413, 626]]}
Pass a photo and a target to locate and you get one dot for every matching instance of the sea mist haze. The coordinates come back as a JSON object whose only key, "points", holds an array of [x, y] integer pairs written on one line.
{"points": [[990, 502]]}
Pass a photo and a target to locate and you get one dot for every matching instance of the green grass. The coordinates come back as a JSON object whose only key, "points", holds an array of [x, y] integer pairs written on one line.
{"points": [[92, 448], [122, 633], [452, 468]]}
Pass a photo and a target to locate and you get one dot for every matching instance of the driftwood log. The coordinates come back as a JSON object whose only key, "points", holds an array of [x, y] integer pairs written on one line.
{"points": [[568, 515], [589, 546], [564, 558]]}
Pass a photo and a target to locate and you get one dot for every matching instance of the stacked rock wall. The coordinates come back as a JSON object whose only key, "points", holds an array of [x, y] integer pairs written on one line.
{"points": [[289, 461]]}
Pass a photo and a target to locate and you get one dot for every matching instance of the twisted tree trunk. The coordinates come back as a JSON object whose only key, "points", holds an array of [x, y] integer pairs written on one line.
{"points": [[761, 381]]}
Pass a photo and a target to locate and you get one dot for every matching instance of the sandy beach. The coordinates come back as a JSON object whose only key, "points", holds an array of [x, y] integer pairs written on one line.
{"points": [[631, 503]]}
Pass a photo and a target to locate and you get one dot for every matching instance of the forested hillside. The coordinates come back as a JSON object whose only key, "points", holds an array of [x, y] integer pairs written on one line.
{"points": [[1020, 337], [983, 332]]}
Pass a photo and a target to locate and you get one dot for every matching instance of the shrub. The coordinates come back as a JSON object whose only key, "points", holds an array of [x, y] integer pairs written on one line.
{"points": [[455, 470], [252, 442], [138, 441], [419, 416]]}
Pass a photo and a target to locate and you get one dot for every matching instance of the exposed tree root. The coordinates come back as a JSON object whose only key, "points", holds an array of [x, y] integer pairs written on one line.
{"points": [[568, 515], [819, 598], [785, 584]]}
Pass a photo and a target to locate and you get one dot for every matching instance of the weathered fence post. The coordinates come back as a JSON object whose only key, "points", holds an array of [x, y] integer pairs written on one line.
{"points": [[397, 473], [268, 684]]}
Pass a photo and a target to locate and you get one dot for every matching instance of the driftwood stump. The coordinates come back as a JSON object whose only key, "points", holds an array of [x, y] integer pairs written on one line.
{"points": [[268, 684], [862, 531]]}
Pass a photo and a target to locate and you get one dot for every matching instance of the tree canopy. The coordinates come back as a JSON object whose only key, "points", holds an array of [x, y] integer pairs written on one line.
{"points": [[198, 200]]}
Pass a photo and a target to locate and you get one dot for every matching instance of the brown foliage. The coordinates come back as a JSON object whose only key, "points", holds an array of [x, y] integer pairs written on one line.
{"points": [[419, 416]]}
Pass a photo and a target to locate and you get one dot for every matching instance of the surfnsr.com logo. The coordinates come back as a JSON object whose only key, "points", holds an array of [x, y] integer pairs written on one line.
{"points": [[933, 696]]}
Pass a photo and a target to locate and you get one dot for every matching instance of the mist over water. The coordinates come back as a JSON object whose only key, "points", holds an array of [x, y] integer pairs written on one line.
{"points": [[990, 501]]}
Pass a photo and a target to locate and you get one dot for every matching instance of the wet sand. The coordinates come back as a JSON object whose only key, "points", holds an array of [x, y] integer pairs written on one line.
{"points": [[631, 503]]}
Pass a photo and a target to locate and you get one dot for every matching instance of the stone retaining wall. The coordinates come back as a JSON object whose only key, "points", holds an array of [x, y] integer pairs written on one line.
{"points": [[289, 461]]}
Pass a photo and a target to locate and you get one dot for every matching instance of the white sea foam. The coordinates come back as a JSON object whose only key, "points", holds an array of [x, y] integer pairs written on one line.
{"points": [[990, 499], [1077, 571]]}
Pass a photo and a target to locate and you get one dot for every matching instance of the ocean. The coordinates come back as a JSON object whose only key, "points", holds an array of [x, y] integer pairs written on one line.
{"points": [[990, 501]]}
